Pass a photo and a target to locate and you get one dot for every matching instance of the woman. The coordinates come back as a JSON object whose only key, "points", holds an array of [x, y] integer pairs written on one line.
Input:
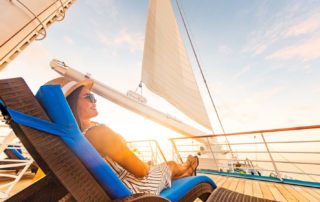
{"points": [[135, 174]]}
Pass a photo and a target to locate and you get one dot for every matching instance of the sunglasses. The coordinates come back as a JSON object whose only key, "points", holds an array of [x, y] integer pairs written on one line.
{"points": [[90, 97]]}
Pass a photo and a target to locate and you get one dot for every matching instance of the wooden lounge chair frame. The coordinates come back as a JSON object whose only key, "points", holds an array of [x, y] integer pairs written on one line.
{"points": [[66, 176]]}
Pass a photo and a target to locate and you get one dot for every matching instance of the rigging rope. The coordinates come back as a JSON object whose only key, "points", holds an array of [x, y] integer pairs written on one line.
{"points": [[199, 65], [202, 74], [203, 77], [44, 31]]}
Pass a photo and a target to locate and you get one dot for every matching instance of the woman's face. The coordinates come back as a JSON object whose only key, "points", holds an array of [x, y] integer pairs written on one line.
{"points": [[86, 105]]}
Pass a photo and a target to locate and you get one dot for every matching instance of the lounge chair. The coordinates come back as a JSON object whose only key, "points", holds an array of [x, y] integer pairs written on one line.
{"points": [[15, 161], [74, 169], [13, 152]]}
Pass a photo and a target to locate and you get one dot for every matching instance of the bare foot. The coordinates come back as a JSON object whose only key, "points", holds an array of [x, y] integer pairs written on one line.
{"points": [[194, 163]]}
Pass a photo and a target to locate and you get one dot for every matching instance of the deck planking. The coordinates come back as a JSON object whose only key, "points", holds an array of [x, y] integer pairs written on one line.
{"points": [[256, 189], [284, 192], [306, 194], [276, 193], [295, 193], [266, 193], [261, 189], [268, 190]]}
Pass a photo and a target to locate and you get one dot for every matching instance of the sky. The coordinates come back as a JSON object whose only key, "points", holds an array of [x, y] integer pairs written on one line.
{"points": [[260, 58]]}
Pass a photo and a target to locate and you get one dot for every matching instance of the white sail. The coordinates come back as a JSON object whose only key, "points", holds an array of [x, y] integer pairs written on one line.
{"points": [[166, 69], [23, 21]]}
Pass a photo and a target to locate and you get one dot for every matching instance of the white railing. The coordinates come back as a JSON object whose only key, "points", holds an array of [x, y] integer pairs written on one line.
{"points": [[148, 150], [292, 153]]}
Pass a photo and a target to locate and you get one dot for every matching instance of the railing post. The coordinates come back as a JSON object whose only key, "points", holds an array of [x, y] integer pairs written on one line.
{"points": [[176, 150], [159, 148], [212, 153], [273, 163], [153, 154]]}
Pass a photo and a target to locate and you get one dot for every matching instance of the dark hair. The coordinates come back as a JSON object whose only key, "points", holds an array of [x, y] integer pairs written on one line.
{"points": [[73, 103]]}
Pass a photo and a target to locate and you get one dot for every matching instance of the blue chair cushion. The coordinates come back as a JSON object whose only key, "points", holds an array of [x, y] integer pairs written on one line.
{"points": [[17, 153], [17, 147], [182, 186], [65, 126]]}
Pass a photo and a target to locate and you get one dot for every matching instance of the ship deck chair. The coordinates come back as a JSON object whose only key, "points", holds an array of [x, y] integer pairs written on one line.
{"points": [[74, 169], [15, 162], [15, 153]]}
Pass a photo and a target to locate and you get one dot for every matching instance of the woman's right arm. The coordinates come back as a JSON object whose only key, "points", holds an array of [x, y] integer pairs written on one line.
{"points": [[108, 143]]}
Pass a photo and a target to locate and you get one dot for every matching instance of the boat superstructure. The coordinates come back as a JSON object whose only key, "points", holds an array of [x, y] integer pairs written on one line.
{"points": [[23, 22]]}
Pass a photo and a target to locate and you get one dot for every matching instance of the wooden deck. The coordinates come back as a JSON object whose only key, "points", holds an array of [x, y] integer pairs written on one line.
{"points": [[261, 189], [268, 190], [26, 181]]}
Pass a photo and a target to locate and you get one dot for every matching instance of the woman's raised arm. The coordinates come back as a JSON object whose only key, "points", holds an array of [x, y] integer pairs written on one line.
{"points": [[109, 143]]}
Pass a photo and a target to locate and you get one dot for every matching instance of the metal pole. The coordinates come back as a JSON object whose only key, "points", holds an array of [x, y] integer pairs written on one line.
{"points": [[273, 163], [212, 153], [176, 150], [159, 148], [153, 156]]}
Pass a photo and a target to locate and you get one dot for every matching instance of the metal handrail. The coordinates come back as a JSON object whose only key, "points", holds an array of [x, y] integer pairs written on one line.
{"points": [[176, 151], [246, 143], [252, 132], [262, 141], [268, 161], [260, 152], [150, 141]]}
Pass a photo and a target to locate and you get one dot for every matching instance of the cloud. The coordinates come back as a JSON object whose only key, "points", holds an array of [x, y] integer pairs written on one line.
{"points": [[306, 51], [289, 22], [131, 41], [270, 93], [102, 7], [243, 71], [134, 40], [304, 27]]}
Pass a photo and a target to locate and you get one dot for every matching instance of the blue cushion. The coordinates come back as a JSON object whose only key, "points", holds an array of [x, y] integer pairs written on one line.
{"points": [[17, 153], [16, 147], [182, 186], [65, 126]]}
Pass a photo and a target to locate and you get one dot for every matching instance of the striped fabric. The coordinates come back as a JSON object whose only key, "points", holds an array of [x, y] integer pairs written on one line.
{"points": [[159, 178]]}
